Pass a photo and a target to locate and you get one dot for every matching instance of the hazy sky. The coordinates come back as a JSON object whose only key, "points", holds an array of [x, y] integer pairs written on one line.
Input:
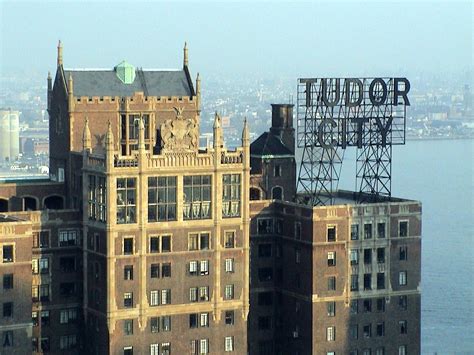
{"points": [[241, 38]]}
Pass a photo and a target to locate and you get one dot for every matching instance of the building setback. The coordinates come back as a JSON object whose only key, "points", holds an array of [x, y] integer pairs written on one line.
{"points": [[143, 243]]}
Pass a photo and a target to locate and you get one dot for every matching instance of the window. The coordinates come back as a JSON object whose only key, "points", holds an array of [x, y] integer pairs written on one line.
{"points": [[265, 298], [354, 232], [368, 231], [8, 253], [45, 344], [128, 272], [154, 271], [229, 317], [7, 281], [265, 225], [166, 323], [97, 198], [166, 270], [165, 296], [229, 292], [128, 326], [380, 255], [380, 351], [403, 229], [193, 294], [204, 346], [402, 350], [367, 330], [277, 170], [154, 244], [43, 265], [367, 281], [229, 344], [264, 250], [331, 333], [231, 195], [402, 278], [297, 256], [197, 197], [331, 283], [354, 256], [34, 293], [7, 340], [367, 352], [331, 308], [331, 234], [165, 243], [126, 203], [265, 274], [154, 349], [44, 315], [367, 256], [331, 258], [403, 302], [67, 341], [162, 198], [229, 239], [381, 304], [8, 309], [204, 267], [204, 293], [44, 239], [354, 331], [380, 281], [229, 265], [277, 193], [298, 230], [165, 349], [68, 238], [68, 315], [193, 268], [127, 246], [380, 329], [204, 320], [128, 299], [368, 306], [354, 306], [204, 241], [403, 252], [34, 318], [355, 282], [67, 264], [67, 289], [380, 230], [403, 326], [44, 293], [154, 298], [128, 350], [264, 323], [154, 324]]}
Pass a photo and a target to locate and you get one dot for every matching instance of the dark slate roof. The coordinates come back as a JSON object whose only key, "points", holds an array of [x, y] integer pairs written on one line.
{"points": [[268, 144], [106, 83]]}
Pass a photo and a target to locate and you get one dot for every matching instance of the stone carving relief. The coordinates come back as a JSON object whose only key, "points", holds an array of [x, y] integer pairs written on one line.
{"points": [[179, 134]]}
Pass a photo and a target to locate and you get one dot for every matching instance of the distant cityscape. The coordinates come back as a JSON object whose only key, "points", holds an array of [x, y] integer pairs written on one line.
{"points": [[440, 109]]}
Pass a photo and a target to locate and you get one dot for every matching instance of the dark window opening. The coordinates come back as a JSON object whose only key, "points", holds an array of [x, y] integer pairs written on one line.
{"points": [[54, 203], [254, 194], [277, 193], [29, 204], [3, 205]]}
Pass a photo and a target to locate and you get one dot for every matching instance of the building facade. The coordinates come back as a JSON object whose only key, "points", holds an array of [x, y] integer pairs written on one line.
{"points": [[143, 242]]}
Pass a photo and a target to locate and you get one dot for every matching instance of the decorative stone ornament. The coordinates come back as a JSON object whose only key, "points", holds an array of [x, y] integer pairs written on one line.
{"points": [[179, 134]]}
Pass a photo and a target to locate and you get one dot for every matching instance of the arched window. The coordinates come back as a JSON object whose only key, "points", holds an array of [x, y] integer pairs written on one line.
{"points": [[254, 193], [277, 193], [3, 205], [54, 202], [30, 204]]}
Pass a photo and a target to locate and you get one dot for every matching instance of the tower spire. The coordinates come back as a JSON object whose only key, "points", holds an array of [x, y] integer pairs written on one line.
{"points": [[198, 91], [217, 132], [60, 53], [86, 136], [185, 58]]}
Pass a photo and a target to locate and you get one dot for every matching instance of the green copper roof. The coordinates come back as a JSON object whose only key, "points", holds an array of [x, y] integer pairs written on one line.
{"points": [[125, 72]]}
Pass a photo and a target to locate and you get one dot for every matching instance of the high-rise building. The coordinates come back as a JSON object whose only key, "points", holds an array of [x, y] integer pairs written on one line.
{"points": [[141, 242], [9, 135]]}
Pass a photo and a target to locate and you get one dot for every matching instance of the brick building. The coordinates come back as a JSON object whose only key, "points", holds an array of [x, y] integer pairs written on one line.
{"points": [[142, 242]]}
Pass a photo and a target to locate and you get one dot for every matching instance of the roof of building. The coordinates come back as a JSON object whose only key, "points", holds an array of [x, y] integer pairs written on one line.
{"points": [[96, 82], [269, 144]]}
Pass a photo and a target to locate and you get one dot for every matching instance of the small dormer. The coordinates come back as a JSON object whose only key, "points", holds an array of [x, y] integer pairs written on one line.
{"points": [[125, 72]]}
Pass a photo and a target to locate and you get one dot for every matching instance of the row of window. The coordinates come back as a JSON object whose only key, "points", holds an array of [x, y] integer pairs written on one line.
{"points": [[163, 243], [367, 305], [402, 350], [42, 344], [42, 265], [275, 226], [41, 292], [162, 198], [197, 347], [380, 281], [66, 316], [66, 238]]}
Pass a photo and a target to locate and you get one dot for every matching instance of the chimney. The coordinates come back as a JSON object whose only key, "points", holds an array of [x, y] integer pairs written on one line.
{"points": [[282, 124]]}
